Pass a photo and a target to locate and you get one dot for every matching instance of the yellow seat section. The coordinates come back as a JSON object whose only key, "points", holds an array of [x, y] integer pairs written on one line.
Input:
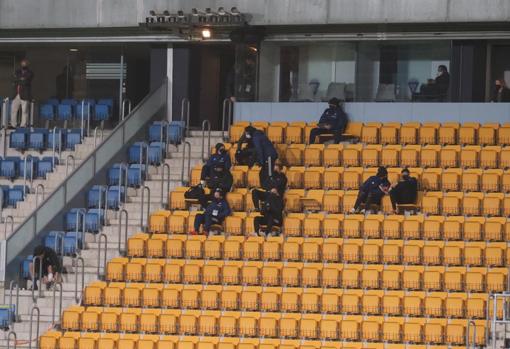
{"points": [[236, 130], [409, 133], [313, 155], [370, 155], [370, 132], [468, 132], [389, 133], [294, 154], [428, 132], [332, 154], [313, 178], [390, 155], [351, 155], [410, 156]]}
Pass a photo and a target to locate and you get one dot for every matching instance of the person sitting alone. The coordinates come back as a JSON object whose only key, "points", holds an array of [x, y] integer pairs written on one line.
{"points": [[220, 178], [272, 214], [214, 214], [333, 122], [277, 180], [220, 156], [405, 191], [51, 267], [372, 191]]}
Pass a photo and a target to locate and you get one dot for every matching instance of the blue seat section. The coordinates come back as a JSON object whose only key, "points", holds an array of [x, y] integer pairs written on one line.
{"points": [[15, 195], [87, 110], [74, 219], [9, 167], [136, 174], [37, 139], [5, 192], [112, 197], [69, 101], [176, 132], [116, 174], [31, 165], [54, 240], [59, 138], [47, 111], [73, 137], [135, 151], [72, 240], [45, 166], [156, 153], [7, 314], [101, 112], [96, 193], [94, 220], [106, 101], [18, 139], [52, 101], [64, 111], [89, 101], [158, 131], [25, 267]]}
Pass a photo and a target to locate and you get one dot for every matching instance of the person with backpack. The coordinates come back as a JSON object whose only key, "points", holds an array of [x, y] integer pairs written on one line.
{"points": [[214, 214], [219, 178], [220, 156]]}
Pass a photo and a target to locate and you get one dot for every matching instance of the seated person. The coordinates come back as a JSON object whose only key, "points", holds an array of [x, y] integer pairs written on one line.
{"points": [[272, 213], [221, 156], [277, 180], [333, 121], [215, 213], [373, 190], [259, 149], [220, 178], [405, 191], [51, 267]]}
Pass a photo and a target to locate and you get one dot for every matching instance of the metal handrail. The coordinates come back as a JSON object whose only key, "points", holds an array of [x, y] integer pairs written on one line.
{"points": [[70, 157], [81, 233], [16, 306], [228, 108], [126, 215], [40, 185], [34, 307], [1, 205], [10, 219], [128, 101], [54, 136], [61, 292], [471, 323], [76, 260], [204, 124], [144, 145], [34, 276], [105, 238], [184, 146], [185, 104], [163, 193], [5, 115], [144, 189], [15, 339], [163, 132], [25, 173], [82, 119], [32, 110], [95, 135]]}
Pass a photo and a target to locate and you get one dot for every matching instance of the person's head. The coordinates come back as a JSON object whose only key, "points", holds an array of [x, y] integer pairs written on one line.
{"points": [[334, 102], [248, 131], [24, 63], [39, 251], [442, 69], [274, 190], [405, 174], [218, 194], [382, 172], [220, 148], [499, 83]]}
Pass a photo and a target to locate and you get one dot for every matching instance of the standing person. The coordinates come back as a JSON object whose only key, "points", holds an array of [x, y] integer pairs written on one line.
{"points": [[51, 267], [272, 213], [22, 93], [373, 190], [264, 149], [277, 180], [221, 156], [442, 81], [215, 213], [501, 93], [333, 121], [405, 191]]}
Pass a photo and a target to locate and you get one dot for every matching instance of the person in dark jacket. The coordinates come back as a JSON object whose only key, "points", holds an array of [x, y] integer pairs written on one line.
{"points": [[51, 267], [277, 180], [22, 94], [221, 156], [220, 178], [215, 213], [265, 151], [333, 121], [501, 93], [442, 81], [405, 191], [373, 190], [272, 213]]}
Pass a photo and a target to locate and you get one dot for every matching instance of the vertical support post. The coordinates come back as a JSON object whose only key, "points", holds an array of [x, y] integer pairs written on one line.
{"points": [[35, 308], [104, 238], [144, 189], [60, 288], [125, 214], [79, 260], [163, 192], [121, 82], [205, 153], [184, 146]]}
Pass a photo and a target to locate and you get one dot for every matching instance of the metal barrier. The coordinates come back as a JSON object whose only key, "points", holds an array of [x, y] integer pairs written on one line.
{"points": [[30, 338], [208, 124], [39, 186], [145, 188], [83, 214], [269, 167], [54, 145], [228, 111], [9, 219], [105, 238], [471, 323], [32, 110], [16, 306], [25, 173], [184, 146], [143, 146], [75, 263], [70, 157], [61, 292], [95, 135], [1, 205], [34, 277], [162, 136], [185, 105], [82, 119], [124, 108], [5, 113], [125, 213], [12, 336], [163, 192]]}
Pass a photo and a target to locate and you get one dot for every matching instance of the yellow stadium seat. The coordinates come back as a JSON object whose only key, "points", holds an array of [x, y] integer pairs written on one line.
{"points": [[275, 132], [351, 178], [391, 227], [313, 155], [332, 177], [494, 228], [491, 180], [471, 180], [158, 221], [472, 203], [428, 133], [450, 179], [447, 133], [350, 330], [489, 156], [390, 155], [409, 133], [329, 328], [332, 154], [431, 202], [370, 155], [469, 156], [294, 132], [504, 134], [429, 156], [487, 134], [350, 277], [413, 332], [389, 133], [236, 130], [504, 158], [351, 155], [453, 227], [313, 178], [391, 278], [293, 199], [392, 304], [295, 177], [370, 132], [295, 154], [431, 179], [449, 156], [410, 155], [493, 204], [177, 200], [468, 133], [392, 331]]}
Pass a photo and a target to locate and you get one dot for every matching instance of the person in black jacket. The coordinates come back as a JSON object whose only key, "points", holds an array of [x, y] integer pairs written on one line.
{"points": [[333, 121], [221, 156], [442, 82], [215, 213], [262, 149], [277, 180], [373, 190], [272, 213], [405, 191], [220, 178], [22, 93], [501, 93], [51, 267]]}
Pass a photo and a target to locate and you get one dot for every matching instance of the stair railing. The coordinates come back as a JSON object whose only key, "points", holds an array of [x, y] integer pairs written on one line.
{"points": [[95, 135], [184, 146], [70, 157], [12, 337], [163, 192], [124, 103], [31, 159], [102, 238], [228, 108], [205, 153], [126, 221], [9, 219], [54, 304], [39, 188], [148, 190], [77, 261], [35, 275], [11, 304], [35, 308]]}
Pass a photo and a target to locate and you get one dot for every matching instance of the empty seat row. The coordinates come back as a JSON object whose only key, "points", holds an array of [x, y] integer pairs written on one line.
{"points": [[295, 300], [13, 167], [41, 139], [12, 195], [66, 109], [142, 153], [84, 220], [387, 133], [91, 340], [295, 274], [270, 325], [318, 249]]}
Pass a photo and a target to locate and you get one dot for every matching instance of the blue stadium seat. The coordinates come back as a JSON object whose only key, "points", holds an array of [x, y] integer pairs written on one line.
{"points": [[15, 195], [112, 197], [106, 101], [136, 174], [9, 168], [87, 111], [158, 131], [47, 112], [156, 153], [59, 138], [74, 219], [94, 220], [31, 164], [116, 173], [52, 101], [72, 240], [7, 314], [96, 194], [44, 166], [37, 139], [69, 101], [73, 137], [135, 151], [19, 138], [25, 267], [54, 240], [175, 132], [5, 192], [64, 112], [101, 112], [90, 101]]}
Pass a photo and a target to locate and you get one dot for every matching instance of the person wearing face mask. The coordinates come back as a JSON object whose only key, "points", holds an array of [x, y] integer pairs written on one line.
{"points": [[372, 191], [22, 94], [221, 156], [260, 148], [277, 180], [333, 121], [405, 191], [501, 93], [442, 81], [272, 213], [215, 213]]}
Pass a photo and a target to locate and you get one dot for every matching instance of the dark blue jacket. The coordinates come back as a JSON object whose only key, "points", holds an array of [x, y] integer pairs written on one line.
{"points": [[263, 147], [221, 206], [372, 184], [219, 159], [335, 117]]}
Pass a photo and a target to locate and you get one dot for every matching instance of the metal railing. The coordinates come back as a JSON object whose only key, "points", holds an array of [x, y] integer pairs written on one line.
{"points": [[78, 271], [228, 111], [205, 153], [70, 157], [95, 135], [16, 305], [148, 190], [39, 186], [8, 219], [5, 113], [163, 192], [185, 112], [54, 146], [104, 238], [124, 103], [54, 304], [184, 146], [35, 276], [126, 222], [31, 159], [30, 338], [32, 111], [12, 337], [468, 334]]}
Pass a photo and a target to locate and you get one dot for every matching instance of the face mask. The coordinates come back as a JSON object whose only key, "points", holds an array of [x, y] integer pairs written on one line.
{"points": [[498, 86], [248, 135], [221, 151]]}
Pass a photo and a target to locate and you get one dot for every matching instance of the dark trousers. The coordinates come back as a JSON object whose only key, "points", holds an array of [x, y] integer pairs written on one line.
{"points": [[206, 221], [267, 219], [257, 196], [315, 132], [204, 199], [398, 197], [205, 173], [368, 199]]}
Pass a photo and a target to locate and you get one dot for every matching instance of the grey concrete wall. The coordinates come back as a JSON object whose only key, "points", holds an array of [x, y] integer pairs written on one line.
{"points": [[119, 13]]}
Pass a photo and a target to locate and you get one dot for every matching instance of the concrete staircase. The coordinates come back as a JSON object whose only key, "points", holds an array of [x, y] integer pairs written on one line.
{"points": [[91, 251]]}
